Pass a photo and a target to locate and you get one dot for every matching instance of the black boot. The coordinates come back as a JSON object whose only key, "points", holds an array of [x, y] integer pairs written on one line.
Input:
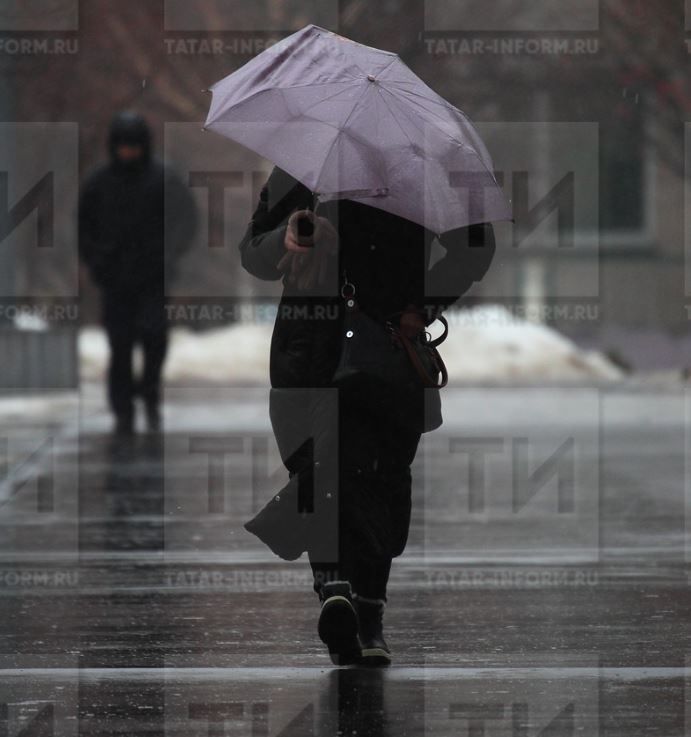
{"points": [[375, 651], [338, 626]]}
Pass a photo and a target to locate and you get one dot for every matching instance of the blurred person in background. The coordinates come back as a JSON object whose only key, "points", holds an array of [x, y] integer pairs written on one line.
{"points": [[136, 219]]}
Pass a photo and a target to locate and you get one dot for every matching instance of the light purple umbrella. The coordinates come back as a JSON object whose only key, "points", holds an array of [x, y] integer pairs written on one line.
{"points": [[353, 122]]}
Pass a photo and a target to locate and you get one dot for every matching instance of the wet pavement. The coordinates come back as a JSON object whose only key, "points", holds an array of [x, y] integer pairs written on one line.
{"points": [[544, 590]]}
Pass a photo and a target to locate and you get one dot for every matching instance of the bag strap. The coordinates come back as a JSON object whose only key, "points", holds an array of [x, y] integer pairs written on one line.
{"points": [[427, 380], [444, 335], [437, 341]]}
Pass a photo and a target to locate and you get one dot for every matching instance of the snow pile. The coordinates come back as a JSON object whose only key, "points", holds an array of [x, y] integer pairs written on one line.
{"points": [[484, 344], [231, 354], [490, 344], [93, 354], [240, 352]]}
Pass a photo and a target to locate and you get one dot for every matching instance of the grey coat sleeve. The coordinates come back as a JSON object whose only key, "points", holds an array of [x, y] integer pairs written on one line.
{"points": [[262, 246]]}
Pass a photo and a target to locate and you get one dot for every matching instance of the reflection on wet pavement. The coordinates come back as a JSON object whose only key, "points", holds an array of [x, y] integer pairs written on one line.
{"points": [[132, 602]]}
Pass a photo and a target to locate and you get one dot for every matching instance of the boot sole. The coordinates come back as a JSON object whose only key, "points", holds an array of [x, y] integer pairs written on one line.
{"points": [[338, 630], [375, 657]]}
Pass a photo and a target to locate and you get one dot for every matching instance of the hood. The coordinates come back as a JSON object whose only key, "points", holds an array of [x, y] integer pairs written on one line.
{"points": [[129, 128]]}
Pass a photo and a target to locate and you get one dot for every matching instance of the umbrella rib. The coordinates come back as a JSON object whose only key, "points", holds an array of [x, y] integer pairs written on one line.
{"points": [[324, 99], [273, 89], [440, 101], [393, 61], [468, 148], [396, 100], [356, 62], [345, 123], [412, 145], [317, 120], [427, 99]]}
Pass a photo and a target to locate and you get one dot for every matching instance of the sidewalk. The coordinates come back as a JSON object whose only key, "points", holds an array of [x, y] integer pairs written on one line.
{"points": [[546, 567]]}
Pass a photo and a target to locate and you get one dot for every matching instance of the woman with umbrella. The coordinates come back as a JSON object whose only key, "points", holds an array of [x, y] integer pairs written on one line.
{"points": [[385, 258], [379, 177]]}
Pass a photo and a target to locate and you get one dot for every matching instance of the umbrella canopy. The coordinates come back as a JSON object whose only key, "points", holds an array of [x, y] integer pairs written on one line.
{"points": [[353, 122]]}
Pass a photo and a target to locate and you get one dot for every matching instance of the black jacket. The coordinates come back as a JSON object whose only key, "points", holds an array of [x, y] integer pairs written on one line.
{"points": [[386, 257], [134, 221]]}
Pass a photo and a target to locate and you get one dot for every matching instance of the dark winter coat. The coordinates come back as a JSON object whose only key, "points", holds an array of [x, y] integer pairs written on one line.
{"points": [[389, 260], [135, 221]]}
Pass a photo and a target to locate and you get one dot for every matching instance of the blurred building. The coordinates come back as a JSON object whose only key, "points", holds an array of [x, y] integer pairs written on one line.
{"points": [[582, 111]]}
